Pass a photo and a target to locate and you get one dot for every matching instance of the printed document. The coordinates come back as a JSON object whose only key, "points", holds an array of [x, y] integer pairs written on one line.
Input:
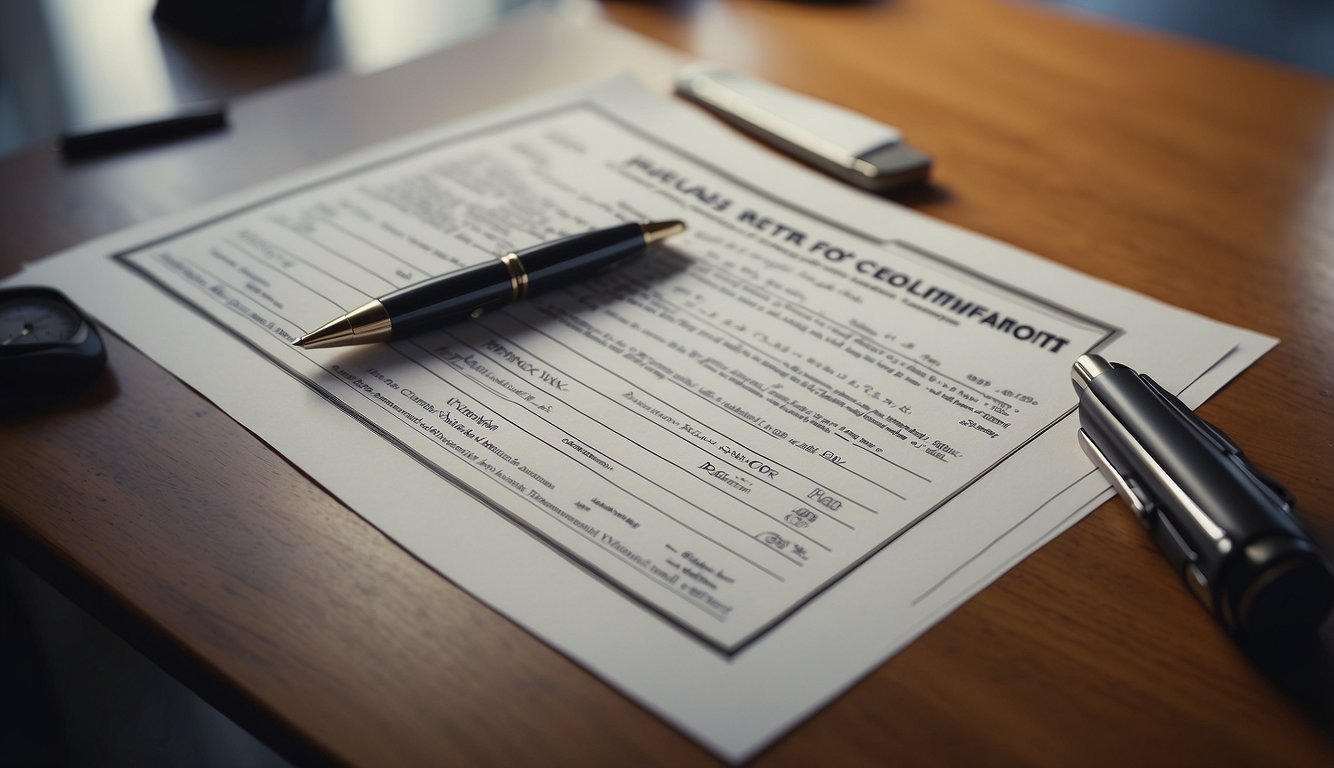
{"points": [[729, 476]]}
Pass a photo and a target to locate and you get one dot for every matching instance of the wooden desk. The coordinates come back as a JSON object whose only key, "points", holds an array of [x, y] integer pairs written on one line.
{"points": [[1201, 178]]}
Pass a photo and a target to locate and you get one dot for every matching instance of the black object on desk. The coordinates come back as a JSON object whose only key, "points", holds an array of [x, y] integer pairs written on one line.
{"points": [[187, 121], [476, 290], [243, 22], [1228, 531], [49, 350]]}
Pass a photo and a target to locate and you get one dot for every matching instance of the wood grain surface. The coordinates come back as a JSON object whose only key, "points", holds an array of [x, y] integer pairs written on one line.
{"points": [[1198, 177]]}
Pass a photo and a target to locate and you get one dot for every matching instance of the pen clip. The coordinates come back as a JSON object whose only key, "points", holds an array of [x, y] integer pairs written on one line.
{"points": [[1156, 476], [1139, 502], [1178, 550]]}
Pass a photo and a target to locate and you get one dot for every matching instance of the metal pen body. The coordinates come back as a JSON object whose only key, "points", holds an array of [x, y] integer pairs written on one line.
{"points": [[1228, 531]]}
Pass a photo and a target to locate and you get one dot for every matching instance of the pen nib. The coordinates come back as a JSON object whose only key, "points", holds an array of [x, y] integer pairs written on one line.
{"points": [[368, 324], [332, 334], [661, 230]]}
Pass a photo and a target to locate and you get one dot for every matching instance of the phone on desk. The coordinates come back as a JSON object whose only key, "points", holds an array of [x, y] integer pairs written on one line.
{"points": [[846, 145]]}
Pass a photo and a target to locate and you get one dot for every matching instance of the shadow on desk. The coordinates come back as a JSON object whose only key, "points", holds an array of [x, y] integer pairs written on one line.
{"points": [[72, 694], [1304, 672]]}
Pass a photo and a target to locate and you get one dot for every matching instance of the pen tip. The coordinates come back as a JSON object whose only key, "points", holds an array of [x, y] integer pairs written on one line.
{"points": [[661, 230]]}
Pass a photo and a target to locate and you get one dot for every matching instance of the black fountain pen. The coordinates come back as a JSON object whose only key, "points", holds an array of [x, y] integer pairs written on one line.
{"points": [[473, 291], [1228, 531]]}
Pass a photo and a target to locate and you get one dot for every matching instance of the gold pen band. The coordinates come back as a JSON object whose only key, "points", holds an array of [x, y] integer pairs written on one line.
{"points": [[518, 276]]}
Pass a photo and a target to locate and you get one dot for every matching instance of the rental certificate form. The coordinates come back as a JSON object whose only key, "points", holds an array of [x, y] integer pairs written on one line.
{"points": [[696, 446]]}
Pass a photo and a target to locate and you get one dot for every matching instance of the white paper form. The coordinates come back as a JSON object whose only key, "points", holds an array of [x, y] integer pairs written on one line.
{"points": [[714, 454]]}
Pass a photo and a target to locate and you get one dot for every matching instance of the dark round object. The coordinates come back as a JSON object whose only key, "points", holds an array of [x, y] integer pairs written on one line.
{"points": [[48, 349]]}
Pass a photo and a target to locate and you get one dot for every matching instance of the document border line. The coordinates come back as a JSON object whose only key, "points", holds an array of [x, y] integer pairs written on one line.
{"points": [[728, 650]]}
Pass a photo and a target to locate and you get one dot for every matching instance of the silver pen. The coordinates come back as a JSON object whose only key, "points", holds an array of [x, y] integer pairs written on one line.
{"points": [[1229, 531]]}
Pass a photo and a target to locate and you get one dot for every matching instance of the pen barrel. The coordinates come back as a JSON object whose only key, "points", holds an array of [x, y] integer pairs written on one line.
{"points": [[579, 257], [450, 298], [1228, 533], [483, 288]]}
